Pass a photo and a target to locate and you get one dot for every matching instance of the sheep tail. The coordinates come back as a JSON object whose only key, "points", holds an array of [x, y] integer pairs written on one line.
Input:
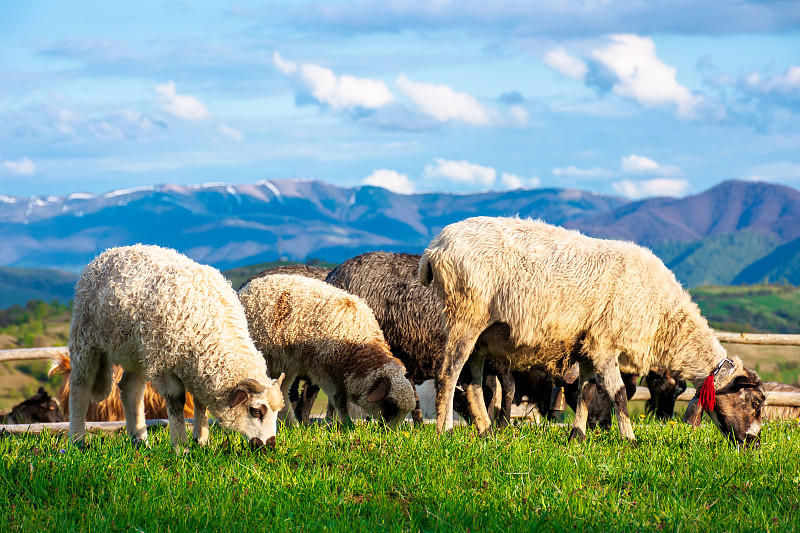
{"points": [[425, 269], [103, 380]]}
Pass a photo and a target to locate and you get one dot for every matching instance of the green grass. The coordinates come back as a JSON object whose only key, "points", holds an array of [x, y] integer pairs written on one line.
{"points": [[526, 478]]}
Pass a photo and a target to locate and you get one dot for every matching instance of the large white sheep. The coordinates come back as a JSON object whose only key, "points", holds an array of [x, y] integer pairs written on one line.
{"points": [[553, 296], [307, 328], [166, 319]]}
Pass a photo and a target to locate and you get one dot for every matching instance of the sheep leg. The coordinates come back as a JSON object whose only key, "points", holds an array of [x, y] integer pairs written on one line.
{"points": [[339, 401], [286, 414], [508, 387], [416, 414], [174, 393], [610, 379], [86, 370], [305, 402], [475, 401], [78, 405], [586, 392], [131, 388], [200, 423], [457, 351]]}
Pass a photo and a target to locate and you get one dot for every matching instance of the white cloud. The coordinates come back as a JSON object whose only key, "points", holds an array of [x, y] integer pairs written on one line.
{"points": [[179, 105], [517, 116], [444, 104], [391, 180], [23, 167], [582, 173], [642, 76], [339, 92], [230, 133], [653, 187], [776, 172], [461, 171], [787, 83], [644, 165], [565, 63], [512, 181]]}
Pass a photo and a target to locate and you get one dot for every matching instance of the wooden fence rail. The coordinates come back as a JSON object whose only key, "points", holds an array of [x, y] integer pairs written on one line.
{"points": [[762, 339]]}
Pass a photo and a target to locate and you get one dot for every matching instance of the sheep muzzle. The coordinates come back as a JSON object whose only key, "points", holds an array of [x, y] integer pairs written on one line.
{"points": [[257, 444]]}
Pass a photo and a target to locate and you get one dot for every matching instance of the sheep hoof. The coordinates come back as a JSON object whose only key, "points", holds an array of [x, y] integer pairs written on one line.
{"points": [[576, 435], [139, 440], [486, 434], [633, 443]]}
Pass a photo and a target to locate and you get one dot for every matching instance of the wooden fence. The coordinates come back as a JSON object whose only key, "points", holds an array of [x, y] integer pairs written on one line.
{"points": [[642, 393]]}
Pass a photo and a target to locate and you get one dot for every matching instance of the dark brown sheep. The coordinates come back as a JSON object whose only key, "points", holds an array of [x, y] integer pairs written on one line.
{"points": [[410, 316], [39, 408]]}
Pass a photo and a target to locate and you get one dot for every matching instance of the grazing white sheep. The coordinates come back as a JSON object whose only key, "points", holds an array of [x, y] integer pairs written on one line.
{"points": [[307, 328], [166, 319], [554, 296]]}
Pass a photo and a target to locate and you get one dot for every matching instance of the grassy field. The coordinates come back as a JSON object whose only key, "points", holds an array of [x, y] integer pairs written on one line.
{"points": [[751, 308], [525, 478]]}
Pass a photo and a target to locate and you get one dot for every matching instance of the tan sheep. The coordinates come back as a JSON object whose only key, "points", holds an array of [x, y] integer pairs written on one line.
{"points": [[166, 319], [553, 296], [307, 328]]}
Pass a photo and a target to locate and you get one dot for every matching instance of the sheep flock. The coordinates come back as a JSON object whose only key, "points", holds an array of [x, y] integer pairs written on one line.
{"points": [[494, 311]]}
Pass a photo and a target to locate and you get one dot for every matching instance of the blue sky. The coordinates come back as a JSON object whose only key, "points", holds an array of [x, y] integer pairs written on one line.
{"points": [[666, 97]]}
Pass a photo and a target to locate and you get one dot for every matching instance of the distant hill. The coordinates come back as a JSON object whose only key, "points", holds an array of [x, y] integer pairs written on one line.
{"points": [[734, 232], [19, 285], [760, 208], [751, 308], [232, 225], [239, 275], [782, 265]]}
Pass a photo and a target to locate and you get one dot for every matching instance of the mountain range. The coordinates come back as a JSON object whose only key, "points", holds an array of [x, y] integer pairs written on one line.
{"points": [[735, 232]]}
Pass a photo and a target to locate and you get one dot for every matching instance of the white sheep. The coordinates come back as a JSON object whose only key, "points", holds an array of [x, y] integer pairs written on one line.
{"points": [[553, 296], [309, 329], [168, 320]]}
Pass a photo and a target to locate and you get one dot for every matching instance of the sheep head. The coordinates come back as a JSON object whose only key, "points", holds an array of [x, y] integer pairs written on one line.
{"points": [[390, 398], [737, 410], [253, 407], [665, 387]]}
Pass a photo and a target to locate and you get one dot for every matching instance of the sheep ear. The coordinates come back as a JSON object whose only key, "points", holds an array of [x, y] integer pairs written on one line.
{"points": [[745, 382], [238, 396], [250, 385], [243, 390], [280, 379], [380, 390], [694, 413]]}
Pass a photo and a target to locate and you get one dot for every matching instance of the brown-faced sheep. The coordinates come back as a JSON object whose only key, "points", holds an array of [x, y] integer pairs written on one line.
{"points": [[301, 400], [168, 320], [665, 386], [552, 297], [307, 328], [111, 409], [39, 408], [410, 316]]}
